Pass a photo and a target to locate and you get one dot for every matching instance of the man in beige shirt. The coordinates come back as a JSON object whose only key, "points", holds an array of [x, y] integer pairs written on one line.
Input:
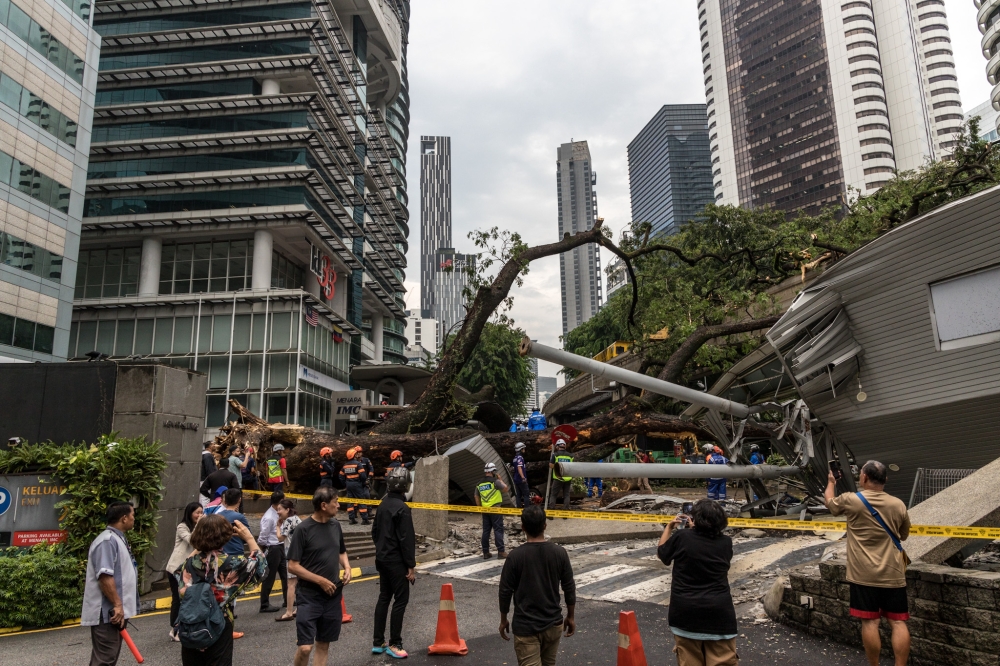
{"points": [[876, 568]]}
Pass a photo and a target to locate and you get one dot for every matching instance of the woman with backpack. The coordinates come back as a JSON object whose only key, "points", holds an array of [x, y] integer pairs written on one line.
{"points": [[182, 549], [209, 584], [287, 522]]}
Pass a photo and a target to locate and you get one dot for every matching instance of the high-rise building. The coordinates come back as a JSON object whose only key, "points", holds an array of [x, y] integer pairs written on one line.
{"points": [[670, 168], [988, 117], [580, 268], [451, 279], [807, 100], [48, 75], [989, 16], [435, 212], [246, 202], [423, 331], [531, 402]]}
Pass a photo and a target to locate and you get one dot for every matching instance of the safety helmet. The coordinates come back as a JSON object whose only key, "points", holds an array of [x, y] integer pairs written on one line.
{"points": [[277, 447], [560, 443], [350, 454], [519, 446], [754, 447], [707, 448], [325, 451], [396, 455], [358, 448], [397, 480], [716, 449], [490, 467]]}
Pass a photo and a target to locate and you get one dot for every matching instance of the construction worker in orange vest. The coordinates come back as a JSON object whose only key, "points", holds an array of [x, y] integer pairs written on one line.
{"points": [[326, 470], [354, 477]]}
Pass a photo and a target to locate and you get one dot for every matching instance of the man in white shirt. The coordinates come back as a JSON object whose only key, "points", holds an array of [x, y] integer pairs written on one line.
{"points": [[274, 550], [111, 591]]}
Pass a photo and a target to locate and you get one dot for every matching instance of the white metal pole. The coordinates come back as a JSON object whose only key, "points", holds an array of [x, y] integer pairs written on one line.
{"points": [[263, 357], [197, 333], [229, 370], [673, 471], [298, 362]]}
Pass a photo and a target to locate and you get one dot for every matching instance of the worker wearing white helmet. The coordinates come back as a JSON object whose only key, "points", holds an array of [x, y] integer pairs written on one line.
{"points": [[560, 483], [489, 492], [523, 494]]}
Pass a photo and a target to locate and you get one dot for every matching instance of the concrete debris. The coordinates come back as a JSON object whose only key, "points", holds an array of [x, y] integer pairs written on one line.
{"points": [[644, 502], [754, 533]]}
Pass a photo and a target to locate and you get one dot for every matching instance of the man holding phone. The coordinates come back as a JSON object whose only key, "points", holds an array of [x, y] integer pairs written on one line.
{"points": [[316, 557]]}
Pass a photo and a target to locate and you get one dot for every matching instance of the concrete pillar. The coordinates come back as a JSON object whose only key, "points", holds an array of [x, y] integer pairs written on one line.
{"points": [[377, 336], [312, 285], [430, 485], [270, 87], [263, 245], [149, 267]]}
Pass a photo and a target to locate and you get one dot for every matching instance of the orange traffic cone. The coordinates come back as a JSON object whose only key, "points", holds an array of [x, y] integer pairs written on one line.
{"points": [[446, 640], [630, 652], [345, 616]]}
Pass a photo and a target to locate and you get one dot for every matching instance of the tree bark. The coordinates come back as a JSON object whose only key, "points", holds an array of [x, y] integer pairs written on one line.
{"points": [[671, 372]]}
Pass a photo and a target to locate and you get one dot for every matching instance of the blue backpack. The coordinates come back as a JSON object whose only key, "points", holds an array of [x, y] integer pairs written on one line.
{"points": [[200, 621]]}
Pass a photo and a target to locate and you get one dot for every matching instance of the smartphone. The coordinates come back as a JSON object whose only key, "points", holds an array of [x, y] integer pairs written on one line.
{"points": [[686, 509], [838, 473]]}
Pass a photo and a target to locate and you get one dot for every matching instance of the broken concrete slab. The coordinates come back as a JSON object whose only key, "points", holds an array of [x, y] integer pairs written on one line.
{"points": [[581, 531], [972, 502], [430, 485]]}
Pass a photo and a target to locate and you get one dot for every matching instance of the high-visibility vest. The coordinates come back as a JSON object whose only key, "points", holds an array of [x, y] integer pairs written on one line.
{"points": [[351, 471], [489, 495], [274, 471], [562, 457]]}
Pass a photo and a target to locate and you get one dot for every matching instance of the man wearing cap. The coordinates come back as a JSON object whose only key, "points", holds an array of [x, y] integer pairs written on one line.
{"points": [[277, 475], [489, 492], [564, 483], [326, 470], [523, 494]]}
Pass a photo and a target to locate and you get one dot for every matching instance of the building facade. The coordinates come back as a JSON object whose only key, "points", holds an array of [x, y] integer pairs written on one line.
{"points": [[451, 281], [833, 96], [988, 117], [531, 402], [48, 75], [670, 169], [580, 268], [423, 332], [435, 212], [246, 197], [989, 24]]}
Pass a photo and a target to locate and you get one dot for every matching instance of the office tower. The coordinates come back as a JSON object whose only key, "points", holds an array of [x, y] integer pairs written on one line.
{"points": [[424, 332], [580, 268], [988, 117], [451, 279], [545, 387], [617, 277], [435, 212], [48, 75], [670, 169], [989, 16], [246, 205], [531, 402], [807, 100]]}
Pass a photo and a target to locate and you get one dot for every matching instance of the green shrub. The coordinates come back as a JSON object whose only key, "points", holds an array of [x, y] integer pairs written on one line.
{"points": [[41, 586]]}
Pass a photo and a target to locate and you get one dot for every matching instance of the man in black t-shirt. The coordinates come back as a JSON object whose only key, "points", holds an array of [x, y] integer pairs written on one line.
{"points": [[532, 576], [215, 480], [316, 557]]}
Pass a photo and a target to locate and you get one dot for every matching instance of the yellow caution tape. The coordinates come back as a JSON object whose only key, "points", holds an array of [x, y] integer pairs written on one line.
{"points": [[948, 531]]}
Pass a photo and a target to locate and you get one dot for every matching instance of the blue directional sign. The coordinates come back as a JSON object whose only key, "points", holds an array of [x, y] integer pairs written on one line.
{"points": [[5, 500]]}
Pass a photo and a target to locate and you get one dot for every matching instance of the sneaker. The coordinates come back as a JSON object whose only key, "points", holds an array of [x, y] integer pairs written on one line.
{"points": [[365, 521], [379, 649], [237, 634], [396, 652]]}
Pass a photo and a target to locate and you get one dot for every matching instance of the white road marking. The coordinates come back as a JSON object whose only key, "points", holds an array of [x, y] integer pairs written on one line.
{"points": [[603, 574], [640, 591], [473, 568]]}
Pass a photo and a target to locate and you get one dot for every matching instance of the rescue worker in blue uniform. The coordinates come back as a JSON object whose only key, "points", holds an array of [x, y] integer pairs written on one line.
{"points": [[354, 477], [366, 464], [756, 458], [595, 483], [716, 487], [396, 460], [489, 492], [523, 494], [537, 421], [326, 468]]}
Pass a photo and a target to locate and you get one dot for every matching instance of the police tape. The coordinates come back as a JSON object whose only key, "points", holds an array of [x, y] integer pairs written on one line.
{"points": [[948, 531]]}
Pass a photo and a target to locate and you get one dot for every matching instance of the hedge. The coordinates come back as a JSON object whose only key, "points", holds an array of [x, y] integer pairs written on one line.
{"points": [[41, 586]]}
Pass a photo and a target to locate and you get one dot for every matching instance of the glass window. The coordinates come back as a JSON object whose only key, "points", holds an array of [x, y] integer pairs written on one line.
{"points": [[220, 338], [144, 336], [164, 335], [42, 41], [74, 334], [239, 371], [277, 408], [123, 343], [215, 52], [88, 338], [277, 376], [204, 19], [205, 335], [24, 334], [218, 370], [216, 411], [6, 329], [106, 336], [44, 336], [281, 324], [241, 333], [257, 335], [182, 334], [255, 366]]}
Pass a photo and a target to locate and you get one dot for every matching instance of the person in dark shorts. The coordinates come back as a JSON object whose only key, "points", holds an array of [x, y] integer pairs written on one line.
{"points": [[876, 562], [316, 558]]}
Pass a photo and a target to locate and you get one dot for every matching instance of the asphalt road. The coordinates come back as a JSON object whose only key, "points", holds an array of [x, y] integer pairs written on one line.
{"points": [[268, 643]]}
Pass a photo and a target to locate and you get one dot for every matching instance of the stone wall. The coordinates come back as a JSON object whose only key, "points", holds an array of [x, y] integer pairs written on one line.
{"points": [[954, 613]]}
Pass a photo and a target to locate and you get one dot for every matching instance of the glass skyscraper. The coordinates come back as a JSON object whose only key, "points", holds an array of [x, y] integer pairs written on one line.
{"points": [[246, 199], [670, 168]]}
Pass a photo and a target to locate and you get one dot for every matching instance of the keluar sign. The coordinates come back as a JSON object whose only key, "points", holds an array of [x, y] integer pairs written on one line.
{"points": [[28, 514]]}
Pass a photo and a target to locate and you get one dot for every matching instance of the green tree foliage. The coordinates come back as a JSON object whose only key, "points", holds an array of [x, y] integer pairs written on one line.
{"points": [[496, 362], [41, 586], [722, 267]]}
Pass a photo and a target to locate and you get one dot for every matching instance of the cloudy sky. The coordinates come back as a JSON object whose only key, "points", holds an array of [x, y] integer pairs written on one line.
{"points": [[510, 81]]}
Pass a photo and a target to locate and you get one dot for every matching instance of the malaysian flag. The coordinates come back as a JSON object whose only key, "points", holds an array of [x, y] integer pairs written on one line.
{"points": [[312, 316]]}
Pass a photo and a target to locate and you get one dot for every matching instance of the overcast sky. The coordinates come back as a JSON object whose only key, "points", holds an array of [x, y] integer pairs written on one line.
{"points": [[510, 81]]}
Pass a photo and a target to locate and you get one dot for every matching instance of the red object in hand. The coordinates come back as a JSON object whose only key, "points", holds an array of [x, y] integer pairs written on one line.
{"points": [[131, 646]]}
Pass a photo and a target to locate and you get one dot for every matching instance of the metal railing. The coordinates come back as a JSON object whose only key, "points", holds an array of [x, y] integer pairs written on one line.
{"points": [[929, 482]]}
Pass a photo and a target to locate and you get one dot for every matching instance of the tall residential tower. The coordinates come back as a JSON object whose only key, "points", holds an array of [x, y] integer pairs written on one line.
{"points": [[580, 268], [48, 74], [807, 99], [670, 168], [435, 213]]}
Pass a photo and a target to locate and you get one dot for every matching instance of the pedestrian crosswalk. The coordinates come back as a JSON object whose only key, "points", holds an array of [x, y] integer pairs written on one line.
{"points": [[630, 571]]}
